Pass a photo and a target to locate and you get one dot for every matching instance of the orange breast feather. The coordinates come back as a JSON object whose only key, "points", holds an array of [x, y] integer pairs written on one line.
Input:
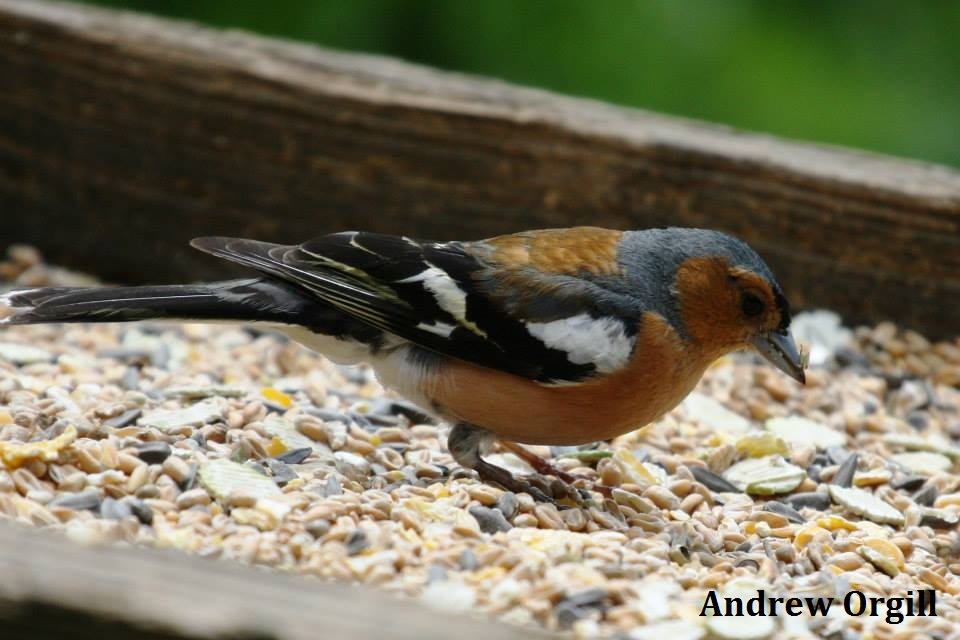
{"points": [[660, 374]]}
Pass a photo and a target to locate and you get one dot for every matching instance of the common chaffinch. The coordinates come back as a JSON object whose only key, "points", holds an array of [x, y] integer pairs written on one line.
{"points": [[556, 336]]}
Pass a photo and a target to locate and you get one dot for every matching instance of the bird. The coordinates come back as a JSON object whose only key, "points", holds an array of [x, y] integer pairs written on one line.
{"points": [[545, 337]]}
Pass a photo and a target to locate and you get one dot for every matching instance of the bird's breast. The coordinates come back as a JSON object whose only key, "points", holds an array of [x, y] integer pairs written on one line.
{"points": [[661, 372]]}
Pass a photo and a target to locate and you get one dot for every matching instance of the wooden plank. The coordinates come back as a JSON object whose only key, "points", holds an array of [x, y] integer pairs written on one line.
{"points": [[122, 136], [54, 589]]}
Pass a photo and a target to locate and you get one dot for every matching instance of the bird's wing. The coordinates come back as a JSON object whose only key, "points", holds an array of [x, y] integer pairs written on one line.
{"points": [[478, 302]]}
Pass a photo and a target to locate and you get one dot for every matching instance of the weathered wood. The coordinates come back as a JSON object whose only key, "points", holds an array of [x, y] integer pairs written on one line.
{"points": [[81, 591], [122, 136]]}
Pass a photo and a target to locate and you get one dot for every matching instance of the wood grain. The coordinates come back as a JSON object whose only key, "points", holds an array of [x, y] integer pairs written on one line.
{"points": [[122, 136], [86, 592]]}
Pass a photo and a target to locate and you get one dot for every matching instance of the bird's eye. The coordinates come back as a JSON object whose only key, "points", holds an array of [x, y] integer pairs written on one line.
{"points": [[751, 305]]}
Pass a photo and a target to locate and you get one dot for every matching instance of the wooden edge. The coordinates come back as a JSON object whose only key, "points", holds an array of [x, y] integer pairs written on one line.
{"points": [[394, 82], [168, 592]]}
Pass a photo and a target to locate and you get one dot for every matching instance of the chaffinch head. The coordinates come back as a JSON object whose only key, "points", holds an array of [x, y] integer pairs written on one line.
{"points": [[556, 336]]}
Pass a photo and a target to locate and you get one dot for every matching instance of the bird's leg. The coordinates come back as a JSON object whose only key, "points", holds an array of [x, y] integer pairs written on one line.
{"points": [[466, 443], [544, 467], [540, 465]]}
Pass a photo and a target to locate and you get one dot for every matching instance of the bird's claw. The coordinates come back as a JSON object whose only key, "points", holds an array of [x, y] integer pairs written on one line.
{"points": [[562, 484], [526, 486], [492, 473], [554, 489]]}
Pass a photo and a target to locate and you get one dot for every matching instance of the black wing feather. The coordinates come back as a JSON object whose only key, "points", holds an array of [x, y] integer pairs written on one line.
{"points": [[377, 279]]}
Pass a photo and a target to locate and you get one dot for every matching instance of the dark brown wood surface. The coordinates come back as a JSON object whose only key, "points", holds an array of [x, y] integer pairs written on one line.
{"points": [[122, 136], [53, 589]]}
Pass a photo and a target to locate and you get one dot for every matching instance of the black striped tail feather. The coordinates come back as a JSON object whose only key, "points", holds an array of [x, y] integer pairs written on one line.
{"points": [[122, 304], [250, 300]]}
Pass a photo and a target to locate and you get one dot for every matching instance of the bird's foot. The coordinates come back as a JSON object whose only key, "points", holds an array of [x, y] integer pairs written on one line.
{"points": [[540, 465], [492, 473], [550, 484], [575, 487]]}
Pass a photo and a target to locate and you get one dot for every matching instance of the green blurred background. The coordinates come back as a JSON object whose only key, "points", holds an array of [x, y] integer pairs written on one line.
{"points": [[882, 75]]}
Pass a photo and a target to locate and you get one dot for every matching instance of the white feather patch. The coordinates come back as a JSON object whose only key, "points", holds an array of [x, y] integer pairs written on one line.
{"points": [[439, 328], [448, 294], [602, 342]]}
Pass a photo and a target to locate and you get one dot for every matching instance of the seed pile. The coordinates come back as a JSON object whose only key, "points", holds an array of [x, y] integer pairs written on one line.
{"points": [[237, 444]]}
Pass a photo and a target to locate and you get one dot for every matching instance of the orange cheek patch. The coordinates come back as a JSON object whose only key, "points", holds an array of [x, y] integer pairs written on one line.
{"points": [[709, 303], [710, 295]]}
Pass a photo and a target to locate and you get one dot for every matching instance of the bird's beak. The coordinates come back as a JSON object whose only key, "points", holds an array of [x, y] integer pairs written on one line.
{"points": [[781, 350]]}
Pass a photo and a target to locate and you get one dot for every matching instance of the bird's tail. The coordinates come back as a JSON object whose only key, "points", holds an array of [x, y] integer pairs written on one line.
{"points": [[249, 300]]}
